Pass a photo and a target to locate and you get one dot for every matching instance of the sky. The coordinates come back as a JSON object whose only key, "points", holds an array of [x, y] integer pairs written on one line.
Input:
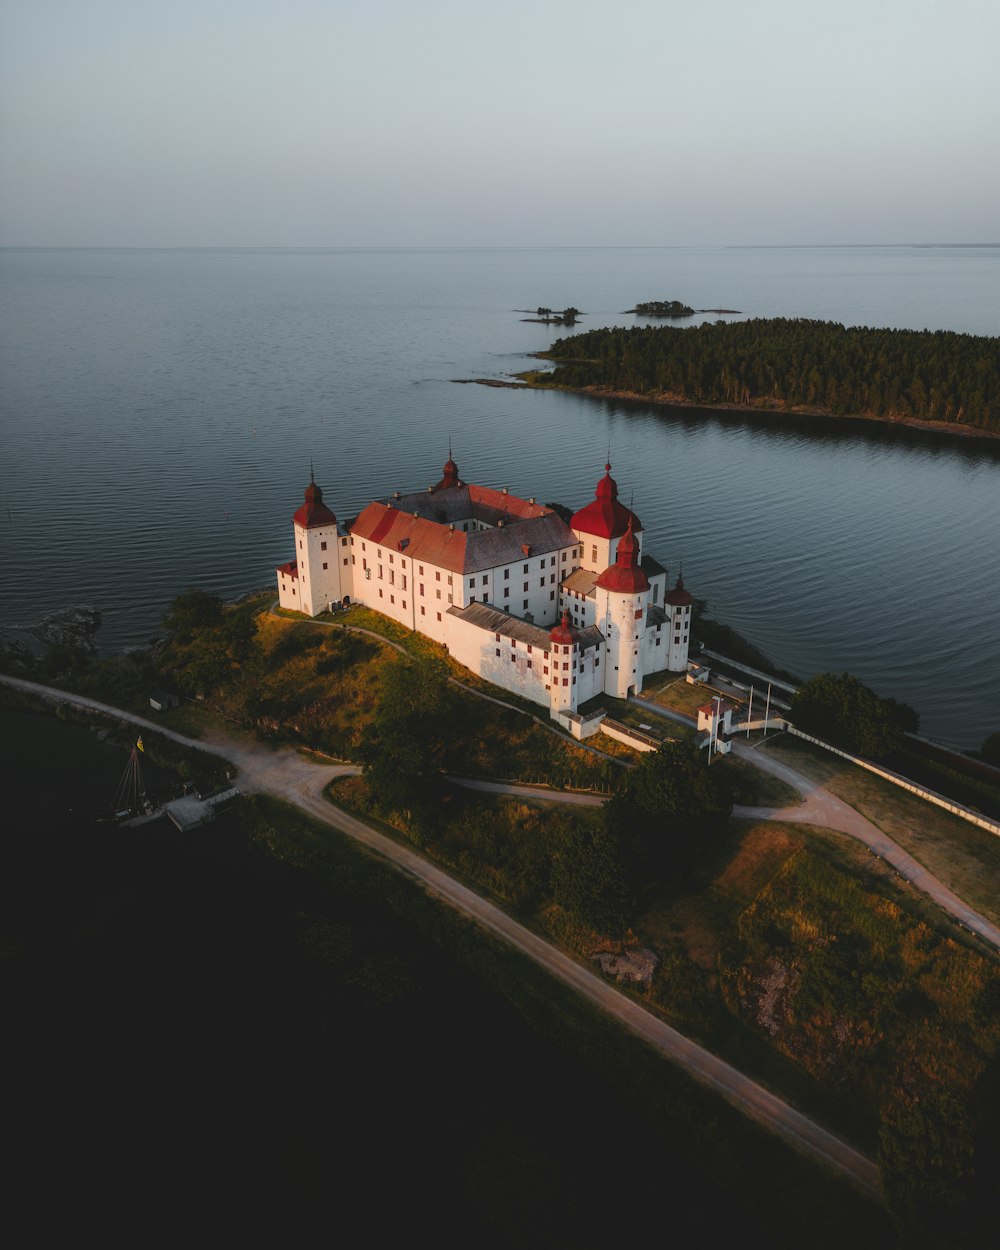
{"points": [[452, 123]]}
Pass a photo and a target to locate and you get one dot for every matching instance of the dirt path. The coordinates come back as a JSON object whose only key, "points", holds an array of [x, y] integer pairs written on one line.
{"points": [[284, 773]]}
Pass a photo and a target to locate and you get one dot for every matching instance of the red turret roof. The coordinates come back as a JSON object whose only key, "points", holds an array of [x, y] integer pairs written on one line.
{"points": [[625, 576], [564, 634], [450, 475], [314, 511], [605, 517], [678, 597]]}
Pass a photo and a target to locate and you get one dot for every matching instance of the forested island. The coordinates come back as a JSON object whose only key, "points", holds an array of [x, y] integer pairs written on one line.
{"points": [[662, 308], [784, 364]]}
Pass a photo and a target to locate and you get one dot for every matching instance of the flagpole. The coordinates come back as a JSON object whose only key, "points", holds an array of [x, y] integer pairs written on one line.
{"points": [[767, 709], [750, 711]]}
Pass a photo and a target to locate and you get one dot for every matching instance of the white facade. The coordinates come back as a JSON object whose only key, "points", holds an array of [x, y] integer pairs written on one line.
{"points": [[513, 592]]}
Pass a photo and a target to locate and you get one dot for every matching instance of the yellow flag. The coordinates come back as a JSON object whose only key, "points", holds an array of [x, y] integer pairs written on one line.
{"points": [[138, 743]]}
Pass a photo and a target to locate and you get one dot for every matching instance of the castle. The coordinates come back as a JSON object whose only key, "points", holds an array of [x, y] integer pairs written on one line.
{"points": [[554, 612]]}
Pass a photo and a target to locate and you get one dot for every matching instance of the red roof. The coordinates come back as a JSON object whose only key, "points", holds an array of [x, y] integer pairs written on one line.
{"points": [[678, 597], [605, 517], [314, 511], [625, 576], [564, 634], [425, 540], [450, 475], [291, 568]]}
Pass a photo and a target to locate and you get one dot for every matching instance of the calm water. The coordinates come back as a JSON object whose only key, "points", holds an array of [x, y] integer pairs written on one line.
{"points": [[159, 410]]}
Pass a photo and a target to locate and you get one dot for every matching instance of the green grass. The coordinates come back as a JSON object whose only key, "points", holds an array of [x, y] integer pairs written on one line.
{"points": [[963, 856], [798, 1199]]}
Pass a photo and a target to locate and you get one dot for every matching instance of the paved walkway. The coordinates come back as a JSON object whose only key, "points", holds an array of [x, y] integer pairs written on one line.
{"points": [[820, 807], [288, 775]]}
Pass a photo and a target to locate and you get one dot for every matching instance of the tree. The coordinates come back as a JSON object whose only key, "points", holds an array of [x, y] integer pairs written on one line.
{"points": [[410, 741], [590, 879], [191, 611], [990, 750], [842, 710], [669, 805]]}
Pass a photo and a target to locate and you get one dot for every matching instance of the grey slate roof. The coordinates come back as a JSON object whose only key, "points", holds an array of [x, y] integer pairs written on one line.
{"points": [[496, 621], [580, 582], [485, 616], [651, 567]]}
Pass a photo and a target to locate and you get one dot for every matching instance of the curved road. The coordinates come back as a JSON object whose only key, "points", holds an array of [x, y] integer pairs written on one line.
{"points": [[290, 776], [820, 807]]}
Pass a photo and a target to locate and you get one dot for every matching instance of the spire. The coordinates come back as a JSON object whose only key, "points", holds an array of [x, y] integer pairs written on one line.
{"points": [[564, 634], [450, 473], [625, 576], [312, 475]]}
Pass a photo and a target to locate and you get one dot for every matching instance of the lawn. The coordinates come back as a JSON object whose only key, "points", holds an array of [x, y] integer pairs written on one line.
{"points": [[963, 856]]}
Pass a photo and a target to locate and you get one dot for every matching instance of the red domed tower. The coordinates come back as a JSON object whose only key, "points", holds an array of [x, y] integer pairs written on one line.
{"points": [[450, 472], [622, 596], [625, 576], [600, 524], [315, 578], [677, 604], [562, 666]]}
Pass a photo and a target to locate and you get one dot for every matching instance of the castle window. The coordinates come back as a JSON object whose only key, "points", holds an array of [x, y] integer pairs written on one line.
{"points": [[449, 579], [325, 564], [593, 554], [404, 581], [404, 605], [658, 641], [392, 598], [390, 557], [506, 592], [565, 665], [498, 650], [542, 582], [380, 570], [525, 568], [421, 588], [322, 546], [597, 661], [450, 599], [438, 594], [552, 578], [343, 542], [656, 592], [506, 574], [472, 582], [563, 557], [676, 640], [638, 615], [545, 670], [380, 592], [525, 587], [529, 648], [439, 616], [423, 610], [565, 681], [300, 544], [552, 594], [525, 608], [529, 664], [552, 563], [362, 547], [437, 576], [345, 561], [421, 570]]}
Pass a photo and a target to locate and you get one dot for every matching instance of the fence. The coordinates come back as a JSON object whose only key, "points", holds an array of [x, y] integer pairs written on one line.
{"points": [[965, 813]]}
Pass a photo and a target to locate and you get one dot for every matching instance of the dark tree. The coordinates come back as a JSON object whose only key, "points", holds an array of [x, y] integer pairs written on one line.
{"points": [[590, 879], [669, 805], [990, 750], [412, 739], [842, 710], [191, 611]]}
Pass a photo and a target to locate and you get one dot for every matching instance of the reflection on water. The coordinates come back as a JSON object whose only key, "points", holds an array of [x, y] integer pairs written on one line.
{"points": [[160, 411]]}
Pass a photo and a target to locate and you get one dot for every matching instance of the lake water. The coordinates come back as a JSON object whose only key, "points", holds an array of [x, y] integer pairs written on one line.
{"points": [[159, 411]]}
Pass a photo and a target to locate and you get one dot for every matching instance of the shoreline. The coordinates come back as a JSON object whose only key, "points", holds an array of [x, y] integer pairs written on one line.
{"points": [[663, 401]]}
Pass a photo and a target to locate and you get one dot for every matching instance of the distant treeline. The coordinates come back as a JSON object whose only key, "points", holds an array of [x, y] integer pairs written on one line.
{"points": [[921, 374]]}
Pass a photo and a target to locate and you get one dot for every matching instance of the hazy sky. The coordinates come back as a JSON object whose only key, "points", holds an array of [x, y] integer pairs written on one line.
{"points": [[529, 122]]}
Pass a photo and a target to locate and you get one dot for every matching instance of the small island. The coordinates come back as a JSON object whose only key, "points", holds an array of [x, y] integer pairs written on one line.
{"points": [[662, 308], [551, 317]]}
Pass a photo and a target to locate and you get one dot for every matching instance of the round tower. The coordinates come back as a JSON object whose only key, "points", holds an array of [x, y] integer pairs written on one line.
{"points": [[602, 523], [562, 666], [317, 553], [677, 604], [622, 593]]}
